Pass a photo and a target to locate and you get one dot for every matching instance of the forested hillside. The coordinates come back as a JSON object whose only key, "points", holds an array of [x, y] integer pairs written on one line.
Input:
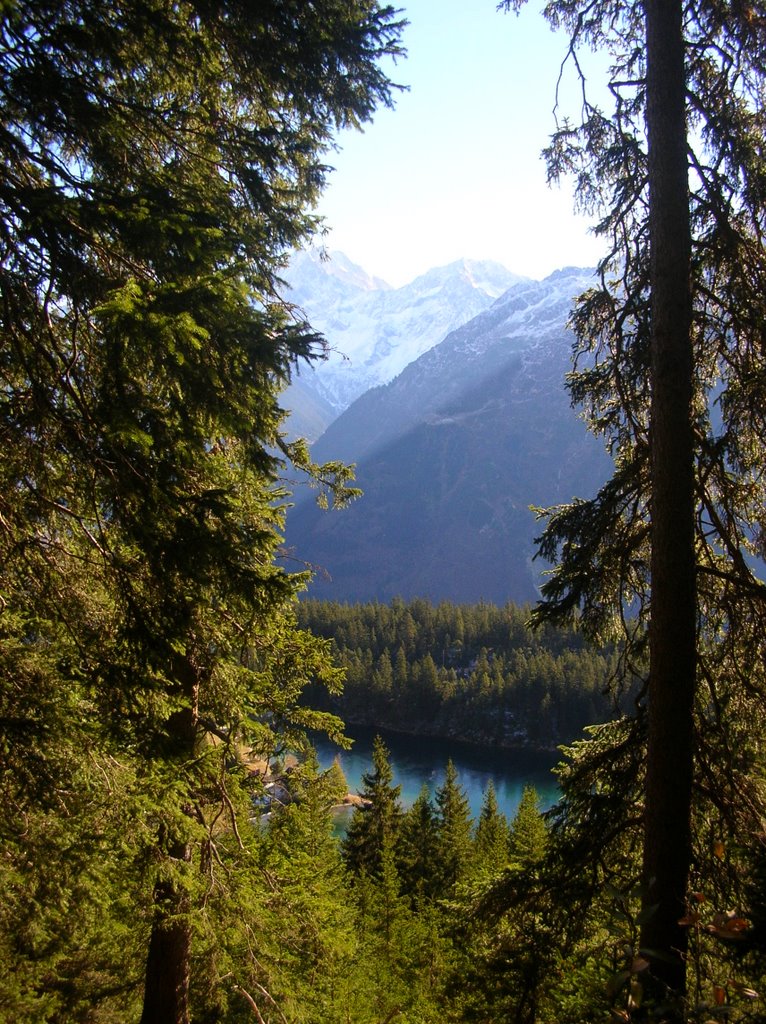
{"points": [[160, 160], [471, 672]]}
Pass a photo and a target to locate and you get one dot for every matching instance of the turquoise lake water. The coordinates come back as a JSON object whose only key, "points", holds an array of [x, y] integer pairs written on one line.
{"points": [[419, 760]]}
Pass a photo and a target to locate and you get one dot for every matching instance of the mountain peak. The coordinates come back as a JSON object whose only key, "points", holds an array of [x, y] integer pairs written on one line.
{"points": [[566, 272], [309, 266], [486, 276], [374, 330], [451, 454]]}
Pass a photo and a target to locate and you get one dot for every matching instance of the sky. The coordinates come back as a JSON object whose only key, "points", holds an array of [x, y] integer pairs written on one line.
{"points": [[455, 169]]}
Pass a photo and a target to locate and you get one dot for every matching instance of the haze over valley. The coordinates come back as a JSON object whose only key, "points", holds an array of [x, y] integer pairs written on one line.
{"points": [[448, 394]]}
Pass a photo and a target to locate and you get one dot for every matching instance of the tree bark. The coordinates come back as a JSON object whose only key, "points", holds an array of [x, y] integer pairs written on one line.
{"points": [[166, 990], [670, 754], [168, 960]]}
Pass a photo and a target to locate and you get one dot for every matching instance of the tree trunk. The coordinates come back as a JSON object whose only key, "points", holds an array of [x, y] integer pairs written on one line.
{"points": [[168, 960], [669, 767], [166, 991]]}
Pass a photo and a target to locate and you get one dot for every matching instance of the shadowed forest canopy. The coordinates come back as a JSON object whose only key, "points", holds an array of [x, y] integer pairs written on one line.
{"points": [[477, 673], [159, 160]]}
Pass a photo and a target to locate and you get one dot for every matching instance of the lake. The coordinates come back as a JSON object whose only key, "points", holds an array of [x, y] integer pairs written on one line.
{"points": [[422, 759]]}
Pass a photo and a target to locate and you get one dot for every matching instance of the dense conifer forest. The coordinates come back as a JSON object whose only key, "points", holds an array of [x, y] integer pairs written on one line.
{"points": [[471, 672], [160, 162]]}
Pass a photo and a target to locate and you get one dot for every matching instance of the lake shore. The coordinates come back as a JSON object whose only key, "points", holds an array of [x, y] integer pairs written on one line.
{"points": [[419, 761], [420, 730]]}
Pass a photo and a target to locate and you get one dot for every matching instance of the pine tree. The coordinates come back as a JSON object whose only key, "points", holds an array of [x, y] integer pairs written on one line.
{"points": [[159, 161], [378, 821]]}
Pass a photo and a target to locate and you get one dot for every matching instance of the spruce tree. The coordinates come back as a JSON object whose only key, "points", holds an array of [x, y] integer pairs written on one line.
{"points": [[397, 952], [455, 844], [418, 848], [528, 834], [491, 841], [306, 940], [337, 784], [667, 853], [378, 820], [159, 161]]}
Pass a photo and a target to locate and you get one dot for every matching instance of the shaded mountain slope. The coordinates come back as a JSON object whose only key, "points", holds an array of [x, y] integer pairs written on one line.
{"points": [[451, 454]]}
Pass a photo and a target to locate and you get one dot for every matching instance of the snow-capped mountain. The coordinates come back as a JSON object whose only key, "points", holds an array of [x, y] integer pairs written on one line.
{"points": [[451, 455], [524, 328], [373, 330]]}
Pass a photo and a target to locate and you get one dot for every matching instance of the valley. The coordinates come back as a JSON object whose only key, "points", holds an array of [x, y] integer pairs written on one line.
{"points": [[451, 455]]}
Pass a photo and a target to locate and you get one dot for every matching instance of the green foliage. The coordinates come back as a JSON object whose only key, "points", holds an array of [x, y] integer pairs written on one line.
{"points": [[491, 840], [474, 672], [375, 825], [159, 161], [453, 831], [528, 835], [337, 784], [418, 849], [603, 545], [401, 952], [308, 941]]}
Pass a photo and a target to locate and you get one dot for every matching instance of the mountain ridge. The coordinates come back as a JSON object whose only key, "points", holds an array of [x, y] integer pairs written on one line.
{"points": [[373, 330], [451, 454]]}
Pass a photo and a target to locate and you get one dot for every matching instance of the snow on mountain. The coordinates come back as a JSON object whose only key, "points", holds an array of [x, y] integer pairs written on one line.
{"points": [[526, 320], [373, 330], [526, 325], [312, 272], [451, 454]]}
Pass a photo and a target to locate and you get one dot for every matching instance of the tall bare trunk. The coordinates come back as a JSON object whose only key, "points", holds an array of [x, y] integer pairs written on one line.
{"points": [[166, 991], [667, 836], [168, 960]]}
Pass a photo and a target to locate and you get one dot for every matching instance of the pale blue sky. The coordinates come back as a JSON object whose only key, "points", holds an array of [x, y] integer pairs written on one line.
{"points": [[455, 170]]}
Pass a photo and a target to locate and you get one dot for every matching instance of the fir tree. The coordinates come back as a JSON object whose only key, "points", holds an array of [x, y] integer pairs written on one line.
{"points": [[401, 950], [379, 819], [455, 845]]}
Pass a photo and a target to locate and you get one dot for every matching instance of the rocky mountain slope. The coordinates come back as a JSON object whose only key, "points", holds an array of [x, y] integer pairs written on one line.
{"points": [[373, 330], [451, 454]]}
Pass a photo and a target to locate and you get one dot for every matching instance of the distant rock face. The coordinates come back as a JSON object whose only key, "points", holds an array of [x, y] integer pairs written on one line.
{"points": [[452, 454], [374, 331]]}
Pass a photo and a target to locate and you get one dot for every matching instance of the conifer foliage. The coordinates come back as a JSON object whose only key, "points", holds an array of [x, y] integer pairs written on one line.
{"points": [[419, 848], [669, 370], [474, 672], [158, 161], [374, 827], [453, 830], [528, 834]]}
